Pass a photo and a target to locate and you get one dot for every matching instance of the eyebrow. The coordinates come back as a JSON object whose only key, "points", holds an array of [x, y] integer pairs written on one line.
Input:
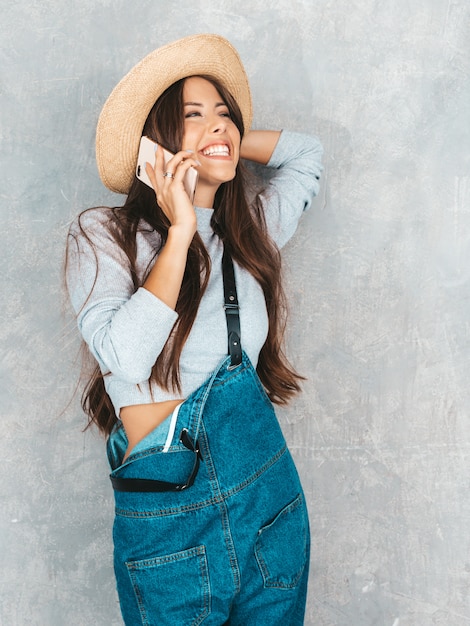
{"points": [[200, 104]]}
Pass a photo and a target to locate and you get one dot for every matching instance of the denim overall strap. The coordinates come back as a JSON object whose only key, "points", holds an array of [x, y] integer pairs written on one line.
{"points": [[235, 352]]}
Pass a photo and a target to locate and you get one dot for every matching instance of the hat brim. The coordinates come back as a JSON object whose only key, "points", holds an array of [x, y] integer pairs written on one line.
{"points": [[124, 113]]}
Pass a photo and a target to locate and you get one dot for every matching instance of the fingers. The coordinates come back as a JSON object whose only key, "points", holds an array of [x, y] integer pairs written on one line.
{"points": [[167, 182], [176, 168], [151, 174], [163, 174], [154, 169]]}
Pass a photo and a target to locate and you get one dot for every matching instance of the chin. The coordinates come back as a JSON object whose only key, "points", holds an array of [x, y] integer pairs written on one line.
{"points": [[220, 180]]}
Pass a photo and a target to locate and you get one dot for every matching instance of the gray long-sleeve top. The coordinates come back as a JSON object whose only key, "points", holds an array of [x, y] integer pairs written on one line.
{"points": [[127, 329]]}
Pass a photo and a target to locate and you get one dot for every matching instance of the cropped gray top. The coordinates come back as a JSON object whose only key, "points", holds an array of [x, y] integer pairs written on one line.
{"points": [[127, 329]]}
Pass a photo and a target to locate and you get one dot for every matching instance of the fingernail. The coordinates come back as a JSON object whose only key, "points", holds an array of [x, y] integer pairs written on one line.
{"points": [[190, 151], [156, 147], [197, 162]]}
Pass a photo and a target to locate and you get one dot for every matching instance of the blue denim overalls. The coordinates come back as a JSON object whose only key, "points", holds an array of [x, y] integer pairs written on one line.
{"points": [[233, 546]]}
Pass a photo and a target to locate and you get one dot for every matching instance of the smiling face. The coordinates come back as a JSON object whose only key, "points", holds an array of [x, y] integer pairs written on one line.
{"points": [[213, 136]]}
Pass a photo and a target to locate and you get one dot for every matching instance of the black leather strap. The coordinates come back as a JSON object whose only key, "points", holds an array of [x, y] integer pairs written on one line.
{"points": [[231, 310]]}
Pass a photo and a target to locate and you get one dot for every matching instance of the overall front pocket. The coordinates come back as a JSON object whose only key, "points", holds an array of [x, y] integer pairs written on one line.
{"points": [[172, 589]]}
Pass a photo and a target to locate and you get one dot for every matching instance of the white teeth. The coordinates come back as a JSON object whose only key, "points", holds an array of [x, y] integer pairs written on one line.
{"points": [[216, 150]]}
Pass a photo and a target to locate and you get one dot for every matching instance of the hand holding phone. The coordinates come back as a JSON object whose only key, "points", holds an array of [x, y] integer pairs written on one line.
{"points": [[147, 155]]}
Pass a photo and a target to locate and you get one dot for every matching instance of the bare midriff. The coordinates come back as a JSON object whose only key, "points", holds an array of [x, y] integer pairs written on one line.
{"points": [[140, 419]]}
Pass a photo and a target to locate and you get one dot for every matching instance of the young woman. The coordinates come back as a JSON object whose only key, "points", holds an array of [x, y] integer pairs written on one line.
{"points": [[181, 305]]}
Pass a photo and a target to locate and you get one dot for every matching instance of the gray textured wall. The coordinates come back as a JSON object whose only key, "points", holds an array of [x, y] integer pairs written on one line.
{"points": [[378, 277]]}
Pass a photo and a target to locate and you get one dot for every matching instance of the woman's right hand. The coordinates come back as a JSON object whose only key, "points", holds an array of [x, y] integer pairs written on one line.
{"points": [[167, 181], [166, 276]]}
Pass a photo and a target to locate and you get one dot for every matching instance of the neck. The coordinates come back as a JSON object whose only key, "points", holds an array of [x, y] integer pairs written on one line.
{"points": [[205, 196]]}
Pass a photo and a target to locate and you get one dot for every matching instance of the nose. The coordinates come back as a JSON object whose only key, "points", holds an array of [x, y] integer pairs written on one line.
{"points": [[217, 124]]}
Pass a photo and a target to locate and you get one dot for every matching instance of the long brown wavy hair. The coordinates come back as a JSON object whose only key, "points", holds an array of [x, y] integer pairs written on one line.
{"points": [[242, 228]]}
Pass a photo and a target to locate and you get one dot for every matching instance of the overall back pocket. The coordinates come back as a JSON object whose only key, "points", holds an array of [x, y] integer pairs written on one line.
{"points": [[172, 589], [282, 546]]}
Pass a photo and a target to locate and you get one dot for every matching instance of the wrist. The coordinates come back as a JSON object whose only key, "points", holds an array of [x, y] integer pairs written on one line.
{"points": [[181, 235]]}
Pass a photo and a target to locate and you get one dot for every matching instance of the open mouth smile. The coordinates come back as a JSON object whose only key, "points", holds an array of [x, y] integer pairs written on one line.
{"points": [[217, 150]]}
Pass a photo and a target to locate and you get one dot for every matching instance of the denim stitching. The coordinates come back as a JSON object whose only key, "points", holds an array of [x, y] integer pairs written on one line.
{"points": [[215, 500], [198, 552], [268, 582], [218, 495], [204, 572], [251, 479], [215, 503], [138, 597]]}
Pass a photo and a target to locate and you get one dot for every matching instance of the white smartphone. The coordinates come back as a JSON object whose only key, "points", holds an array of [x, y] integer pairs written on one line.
{"points": [[147, 155]]}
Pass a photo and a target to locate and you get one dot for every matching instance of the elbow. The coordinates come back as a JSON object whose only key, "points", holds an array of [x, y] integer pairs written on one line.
{"points": [[131, 375], [315, 187], [316, 166], [129, 368], [126, 364]]}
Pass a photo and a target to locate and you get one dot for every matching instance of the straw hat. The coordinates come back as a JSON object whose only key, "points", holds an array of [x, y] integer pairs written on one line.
{"points": [[124, 113]]}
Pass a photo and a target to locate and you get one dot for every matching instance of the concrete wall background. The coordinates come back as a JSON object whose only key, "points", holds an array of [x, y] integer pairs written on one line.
{"points": [[378, 276]]}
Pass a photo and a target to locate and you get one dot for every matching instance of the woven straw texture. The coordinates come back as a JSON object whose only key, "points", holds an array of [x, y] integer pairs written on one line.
{"points": [[124, 113]]}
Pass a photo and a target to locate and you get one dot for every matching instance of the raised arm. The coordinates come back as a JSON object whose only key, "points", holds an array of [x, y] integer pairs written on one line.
{"points": [[295, 162], [166, 276], [258, 145]]}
